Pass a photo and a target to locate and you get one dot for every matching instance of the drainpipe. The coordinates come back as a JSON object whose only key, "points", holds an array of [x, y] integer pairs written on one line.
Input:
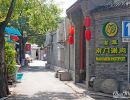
{"points": [[128, 64], [69, 58], [65, 29]]}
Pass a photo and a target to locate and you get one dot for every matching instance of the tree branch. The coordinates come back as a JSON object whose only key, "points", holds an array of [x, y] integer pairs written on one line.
{"points": [[7, 19]]}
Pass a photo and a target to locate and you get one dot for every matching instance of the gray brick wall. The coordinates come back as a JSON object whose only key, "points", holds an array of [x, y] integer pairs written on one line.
{"points": [[60, 54], [117, 70], [77, 19], [54, 52], [51, 48]]}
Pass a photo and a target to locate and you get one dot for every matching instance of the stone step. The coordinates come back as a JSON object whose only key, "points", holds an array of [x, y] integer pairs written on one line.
{"points": [[64, 76]]}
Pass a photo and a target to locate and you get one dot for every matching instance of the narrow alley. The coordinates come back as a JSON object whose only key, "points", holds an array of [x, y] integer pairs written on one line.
{"points": [[39, 83], [64, 49]]}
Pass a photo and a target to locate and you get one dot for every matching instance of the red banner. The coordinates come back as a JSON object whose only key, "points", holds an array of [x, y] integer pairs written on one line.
{"points": [[28, 47]]}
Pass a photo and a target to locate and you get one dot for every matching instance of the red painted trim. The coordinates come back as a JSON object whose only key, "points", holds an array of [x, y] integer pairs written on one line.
{"points": [[81, 49]]}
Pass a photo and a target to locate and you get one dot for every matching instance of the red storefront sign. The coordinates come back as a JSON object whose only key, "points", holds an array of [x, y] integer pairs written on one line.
{"points": [[28, 47]]}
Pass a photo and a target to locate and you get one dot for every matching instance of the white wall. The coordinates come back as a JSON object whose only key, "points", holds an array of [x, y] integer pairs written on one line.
{"points": [[34, 48], [33, 53]]}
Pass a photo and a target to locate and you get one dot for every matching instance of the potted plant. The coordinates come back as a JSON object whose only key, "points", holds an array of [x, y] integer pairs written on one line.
{"points": [[10, 60]]}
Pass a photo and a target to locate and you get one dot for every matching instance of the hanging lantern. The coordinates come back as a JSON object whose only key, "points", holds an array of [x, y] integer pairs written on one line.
{"points": [[72, 30], [87, 21], [15, 38], [88, 35], [71, 40]]}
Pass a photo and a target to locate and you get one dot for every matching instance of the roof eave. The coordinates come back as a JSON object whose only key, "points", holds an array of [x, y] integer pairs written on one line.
{"points": [[76, 6]]}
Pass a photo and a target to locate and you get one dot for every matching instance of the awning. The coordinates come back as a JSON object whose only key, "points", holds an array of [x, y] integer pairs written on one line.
{"points": [[12, 31], [9, 40]]}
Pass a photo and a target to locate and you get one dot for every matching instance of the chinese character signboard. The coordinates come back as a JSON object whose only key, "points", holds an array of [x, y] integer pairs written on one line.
{"points": [[110, 29], [111, 58], [111, 49]]}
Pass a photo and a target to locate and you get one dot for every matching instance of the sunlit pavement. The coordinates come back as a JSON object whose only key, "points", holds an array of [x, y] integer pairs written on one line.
{"points": [[38, 63], [39, 83]]}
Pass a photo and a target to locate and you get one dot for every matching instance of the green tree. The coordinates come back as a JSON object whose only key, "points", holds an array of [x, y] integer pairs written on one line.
{"points": [[10, 58], [39, 40], [4, 91], [33, 16]]}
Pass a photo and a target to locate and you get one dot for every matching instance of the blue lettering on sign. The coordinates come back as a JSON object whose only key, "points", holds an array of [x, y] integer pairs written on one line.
{"points": [[126, 29]]}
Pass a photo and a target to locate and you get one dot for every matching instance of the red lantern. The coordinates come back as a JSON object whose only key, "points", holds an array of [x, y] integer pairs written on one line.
{"points": [[15, 38], [88, 35], [71, 30], [71, 40], [87, 21]]}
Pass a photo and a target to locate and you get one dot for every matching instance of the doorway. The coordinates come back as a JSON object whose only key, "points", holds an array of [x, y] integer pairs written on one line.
{"points": [[82, 55]]}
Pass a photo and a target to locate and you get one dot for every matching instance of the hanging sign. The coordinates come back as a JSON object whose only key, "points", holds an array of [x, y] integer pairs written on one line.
{"points": [[111, 51], [126, 31], [111, 58], [110, 29]]}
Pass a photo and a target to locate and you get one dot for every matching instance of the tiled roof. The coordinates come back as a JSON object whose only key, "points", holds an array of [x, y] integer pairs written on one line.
{"points": [[110, 5], [75, 6]]}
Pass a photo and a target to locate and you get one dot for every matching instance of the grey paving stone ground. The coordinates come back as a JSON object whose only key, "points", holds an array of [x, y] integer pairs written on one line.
{"points": [[39, 83]]}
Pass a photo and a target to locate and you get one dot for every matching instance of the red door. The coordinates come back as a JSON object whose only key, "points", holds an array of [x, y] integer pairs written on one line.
{"points": [[83, 53]]}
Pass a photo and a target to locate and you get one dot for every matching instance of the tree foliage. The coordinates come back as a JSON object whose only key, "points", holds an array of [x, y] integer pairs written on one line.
{"points": [[4, 90], [10, 58], [32, 16], [39, 38]]}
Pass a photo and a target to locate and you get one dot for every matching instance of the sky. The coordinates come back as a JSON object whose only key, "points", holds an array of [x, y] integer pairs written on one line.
{"points": [[64, 4]]}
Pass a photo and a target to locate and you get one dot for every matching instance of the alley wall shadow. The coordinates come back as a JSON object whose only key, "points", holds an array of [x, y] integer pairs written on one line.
{"points": [[56, 96], [46, 96], [36, 69]]}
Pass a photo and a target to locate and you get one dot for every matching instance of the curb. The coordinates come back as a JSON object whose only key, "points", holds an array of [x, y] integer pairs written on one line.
{"points": [[76, 89]]}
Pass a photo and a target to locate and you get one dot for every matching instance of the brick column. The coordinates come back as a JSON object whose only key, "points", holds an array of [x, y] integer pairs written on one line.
{"points": [[77, 19], [85, 11]]}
